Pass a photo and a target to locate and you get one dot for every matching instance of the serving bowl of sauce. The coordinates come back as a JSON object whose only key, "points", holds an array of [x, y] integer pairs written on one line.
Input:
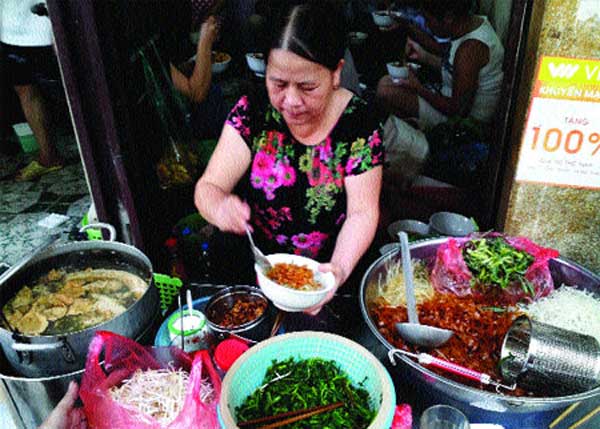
{"points": [[239, 310]]}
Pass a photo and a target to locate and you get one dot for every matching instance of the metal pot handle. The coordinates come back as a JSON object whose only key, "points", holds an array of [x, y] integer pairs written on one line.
{"points": [[101, 225], [26, 349]]}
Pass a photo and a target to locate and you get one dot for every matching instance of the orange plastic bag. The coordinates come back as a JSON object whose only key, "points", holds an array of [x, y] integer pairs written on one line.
{"points": [[122, 357]]}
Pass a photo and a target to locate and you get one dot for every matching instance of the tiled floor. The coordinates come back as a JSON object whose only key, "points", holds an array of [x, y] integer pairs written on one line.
{"points": [[24, 204]]}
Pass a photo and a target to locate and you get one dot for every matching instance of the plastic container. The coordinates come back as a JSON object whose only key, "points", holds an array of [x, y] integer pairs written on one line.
{"points": [[228, 351], [26, 137], [194, 330]]}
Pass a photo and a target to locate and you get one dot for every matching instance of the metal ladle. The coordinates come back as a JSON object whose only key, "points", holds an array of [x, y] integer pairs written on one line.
{"points": [[413, 331]]}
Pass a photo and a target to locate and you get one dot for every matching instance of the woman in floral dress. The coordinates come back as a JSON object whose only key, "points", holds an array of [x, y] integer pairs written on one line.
{"points": [[309, 162]]}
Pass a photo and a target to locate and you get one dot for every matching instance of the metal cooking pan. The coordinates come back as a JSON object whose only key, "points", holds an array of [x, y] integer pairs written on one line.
{"points": [[48, 355], [480, 406]]}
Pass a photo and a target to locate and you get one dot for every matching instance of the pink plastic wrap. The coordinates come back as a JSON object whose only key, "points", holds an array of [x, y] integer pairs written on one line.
{"points": [[451, 274], [122, 357]]}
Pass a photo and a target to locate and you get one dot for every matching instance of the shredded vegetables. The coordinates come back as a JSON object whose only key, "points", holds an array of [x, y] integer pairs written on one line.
{"points": [[392, 291], [157, 394], [494, 262]]}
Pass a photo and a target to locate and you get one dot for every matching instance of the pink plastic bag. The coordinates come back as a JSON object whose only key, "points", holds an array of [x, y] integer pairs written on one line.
{"points": [[451, 274], [402, 417], [122, 357]]}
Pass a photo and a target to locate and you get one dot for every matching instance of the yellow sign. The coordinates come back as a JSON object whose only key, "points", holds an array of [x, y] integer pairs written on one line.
{"points": [[561, 142]]}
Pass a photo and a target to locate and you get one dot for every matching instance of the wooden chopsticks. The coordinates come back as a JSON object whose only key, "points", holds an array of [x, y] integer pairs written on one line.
{"points": [[288, 417]]}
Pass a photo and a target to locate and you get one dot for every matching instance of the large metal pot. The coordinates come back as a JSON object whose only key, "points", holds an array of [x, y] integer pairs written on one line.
{"points": [[48, 355], [479, 406]]}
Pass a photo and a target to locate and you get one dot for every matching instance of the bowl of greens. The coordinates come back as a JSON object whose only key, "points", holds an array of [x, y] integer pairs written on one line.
{"points": [[292, 373]]}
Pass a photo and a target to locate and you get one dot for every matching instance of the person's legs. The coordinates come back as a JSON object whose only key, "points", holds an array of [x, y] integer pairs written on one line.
{"points": [[34, 108], [397, 100]]}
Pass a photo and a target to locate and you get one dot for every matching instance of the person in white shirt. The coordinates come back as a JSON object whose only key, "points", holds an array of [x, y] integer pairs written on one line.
{"points": [[471, 69], [26, 54]]}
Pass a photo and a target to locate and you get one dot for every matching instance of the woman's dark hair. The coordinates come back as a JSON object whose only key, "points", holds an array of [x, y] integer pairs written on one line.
{"points": [[314, 30], [440, 8]]}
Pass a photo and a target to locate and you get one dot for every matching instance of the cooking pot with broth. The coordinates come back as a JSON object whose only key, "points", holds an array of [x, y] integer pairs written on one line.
{"points": [[57, 301]]}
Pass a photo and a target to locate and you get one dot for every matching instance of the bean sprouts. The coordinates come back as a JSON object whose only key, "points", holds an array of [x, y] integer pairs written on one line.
{"points": [[157, 394]]}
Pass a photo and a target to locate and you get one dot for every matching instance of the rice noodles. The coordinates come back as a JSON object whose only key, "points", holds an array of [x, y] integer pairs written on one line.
{"points": [[391, 290], [157, 393]]}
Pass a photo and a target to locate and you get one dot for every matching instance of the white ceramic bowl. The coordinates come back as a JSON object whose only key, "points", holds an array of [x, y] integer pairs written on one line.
{"points": [[397, 70], [357, 37], [382, 18], [222, 65], [289, 299], [256, 62], [410, 226], [452, 224]]}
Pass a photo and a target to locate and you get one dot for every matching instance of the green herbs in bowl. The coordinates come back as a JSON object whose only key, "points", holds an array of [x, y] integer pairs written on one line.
{"points": [[299, 384]]}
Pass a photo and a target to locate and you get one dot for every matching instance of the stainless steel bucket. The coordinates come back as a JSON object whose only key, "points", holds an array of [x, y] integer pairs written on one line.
{"points": [[478, 405], [48, 355]]}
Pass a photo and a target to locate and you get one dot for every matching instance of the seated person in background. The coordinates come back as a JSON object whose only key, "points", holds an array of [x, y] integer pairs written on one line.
{"points": [[471, 72], [208, 111]]}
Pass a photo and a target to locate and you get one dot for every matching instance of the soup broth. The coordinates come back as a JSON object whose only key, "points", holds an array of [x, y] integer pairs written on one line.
{"points": [[61, 302]]}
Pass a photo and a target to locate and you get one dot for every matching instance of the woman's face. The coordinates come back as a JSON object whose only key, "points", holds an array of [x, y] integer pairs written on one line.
{"points": [[298, 88]]}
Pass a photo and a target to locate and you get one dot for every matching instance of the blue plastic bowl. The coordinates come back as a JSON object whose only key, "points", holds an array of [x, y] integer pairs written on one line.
{"points": [[248, 372]]}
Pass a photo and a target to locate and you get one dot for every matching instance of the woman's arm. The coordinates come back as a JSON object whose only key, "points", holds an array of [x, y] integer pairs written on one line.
{"points": [[213, 196], [196, 86], [361, 222], [358, 230], [470, 58]]}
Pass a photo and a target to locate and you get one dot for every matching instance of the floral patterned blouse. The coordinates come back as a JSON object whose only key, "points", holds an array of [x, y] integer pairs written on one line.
{"points": [[296, 192]]}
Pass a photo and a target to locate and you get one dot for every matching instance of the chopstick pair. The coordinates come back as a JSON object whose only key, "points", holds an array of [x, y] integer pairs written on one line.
{"points": [[288, 417], [579, 422]]}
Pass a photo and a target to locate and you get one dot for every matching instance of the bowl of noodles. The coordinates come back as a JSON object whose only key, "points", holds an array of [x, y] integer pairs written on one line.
{"points": [[294, 283], [220, 61]]}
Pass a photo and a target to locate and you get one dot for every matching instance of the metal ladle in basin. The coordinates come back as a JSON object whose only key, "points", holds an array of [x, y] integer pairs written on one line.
{"points": [[413, 331]]}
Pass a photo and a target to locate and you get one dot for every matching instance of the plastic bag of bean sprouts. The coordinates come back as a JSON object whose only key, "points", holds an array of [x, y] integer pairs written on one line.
{"points": [[494, 265], [129, 386]]}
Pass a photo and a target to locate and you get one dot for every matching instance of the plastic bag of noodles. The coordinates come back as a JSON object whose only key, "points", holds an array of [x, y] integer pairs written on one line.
{"points": [[509, 269], [137, 387]]}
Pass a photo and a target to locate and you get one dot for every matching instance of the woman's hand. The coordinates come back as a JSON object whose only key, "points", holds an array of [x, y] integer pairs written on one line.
{"points": [[339, 277], [234, 214], [414, 51], [209, 31], [64, 415]]}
